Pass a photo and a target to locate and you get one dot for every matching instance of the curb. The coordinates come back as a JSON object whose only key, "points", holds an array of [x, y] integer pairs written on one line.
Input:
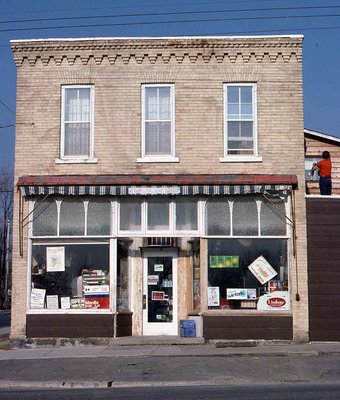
{"points": [[110, 384]]}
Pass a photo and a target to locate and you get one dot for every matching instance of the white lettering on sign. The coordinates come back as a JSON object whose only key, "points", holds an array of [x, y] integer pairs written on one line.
{"points": [[144, 191]]}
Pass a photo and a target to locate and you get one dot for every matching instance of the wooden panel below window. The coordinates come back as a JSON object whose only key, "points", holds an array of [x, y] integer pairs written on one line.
{"points": [[124, 324], [248, 327], [69, 326]]}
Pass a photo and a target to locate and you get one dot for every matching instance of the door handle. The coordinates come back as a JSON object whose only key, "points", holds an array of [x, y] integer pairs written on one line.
{"points": [[144, 301]]}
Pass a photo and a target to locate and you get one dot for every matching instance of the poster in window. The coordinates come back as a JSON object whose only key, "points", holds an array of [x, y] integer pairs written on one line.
{"points": [[65, 303], [52, 302], [55, 259], [262, 270], [153, 280], [157, 296], [213, 296], [37, 298], [158, 267], [224, 261]]}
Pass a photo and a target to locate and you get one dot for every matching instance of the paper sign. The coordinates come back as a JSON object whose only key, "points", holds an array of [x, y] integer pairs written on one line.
{"points": [[38, 298], [157, 295], [237, 294], [213, 296], [262, 270], [158, 268], [65, 303], [55, 259], [153, 279], [224, 261], [52, 302], [276, 301]]}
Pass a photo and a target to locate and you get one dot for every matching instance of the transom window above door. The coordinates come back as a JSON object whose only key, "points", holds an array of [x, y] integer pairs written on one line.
{"points": [[158, 123]]}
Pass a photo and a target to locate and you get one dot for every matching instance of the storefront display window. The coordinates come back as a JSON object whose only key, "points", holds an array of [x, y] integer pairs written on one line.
{"points": [[196, 275], [122, 276], [72, 217], [70, 276], [158, 214], [232, 284], [218, 217], [273, 214], [186, 214], [99, 217], [45, 217], [245, 216], [130, 215]]}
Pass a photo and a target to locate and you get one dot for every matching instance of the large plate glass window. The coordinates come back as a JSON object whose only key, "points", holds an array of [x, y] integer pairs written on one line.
{"points": [[232, 285], [70, 276], [158, 121], [77, 122], [240, 120]]}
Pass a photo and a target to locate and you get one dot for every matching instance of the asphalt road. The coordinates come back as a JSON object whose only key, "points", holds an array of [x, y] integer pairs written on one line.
{"points": [[259, 392], [175, 371]]}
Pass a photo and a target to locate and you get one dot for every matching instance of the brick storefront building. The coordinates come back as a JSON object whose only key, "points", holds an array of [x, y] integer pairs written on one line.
{"points": [[160, 179]]}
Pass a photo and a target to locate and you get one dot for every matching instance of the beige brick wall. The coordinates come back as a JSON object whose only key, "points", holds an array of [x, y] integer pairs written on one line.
{"points": [[198, 69]]}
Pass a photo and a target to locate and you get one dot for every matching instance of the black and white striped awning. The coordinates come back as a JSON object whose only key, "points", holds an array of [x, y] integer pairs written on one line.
{"points": [[141, 190]]}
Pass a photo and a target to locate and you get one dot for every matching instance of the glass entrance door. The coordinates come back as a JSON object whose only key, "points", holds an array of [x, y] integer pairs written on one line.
{"points": [[160, 294]]}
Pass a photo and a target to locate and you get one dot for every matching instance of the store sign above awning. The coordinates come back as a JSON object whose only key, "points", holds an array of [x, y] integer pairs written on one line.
{"points": [[187, 185]]}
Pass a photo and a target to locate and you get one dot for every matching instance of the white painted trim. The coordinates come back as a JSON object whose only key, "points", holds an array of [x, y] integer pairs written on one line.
{"points": [[159, 328], [91, 39], [76, 161], [161, 157], [242, 157], [319, 135], [82, 158]]}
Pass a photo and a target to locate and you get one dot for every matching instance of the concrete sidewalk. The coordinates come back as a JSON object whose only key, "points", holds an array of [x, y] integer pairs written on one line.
{"points": [[163, 347]]}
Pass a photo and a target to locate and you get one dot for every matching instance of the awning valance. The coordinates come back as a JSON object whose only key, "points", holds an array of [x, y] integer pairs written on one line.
{"points": [[154, 185], [184, 190]]}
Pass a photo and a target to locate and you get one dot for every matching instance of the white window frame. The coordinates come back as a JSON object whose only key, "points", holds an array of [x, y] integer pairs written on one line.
{"points": [[241, 157], [112, 243], [89, 158], [162, 157]]}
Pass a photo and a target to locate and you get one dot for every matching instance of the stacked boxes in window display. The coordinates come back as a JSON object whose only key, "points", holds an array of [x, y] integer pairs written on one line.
{"points": [[96, 289]]}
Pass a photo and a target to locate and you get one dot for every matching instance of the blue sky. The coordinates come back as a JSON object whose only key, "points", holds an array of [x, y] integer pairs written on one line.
{"points": [[317, 20]]}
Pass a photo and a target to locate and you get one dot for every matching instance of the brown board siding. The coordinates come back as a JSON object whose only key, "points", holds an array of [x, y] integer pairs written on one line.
{"points": [[69, 326], [323, 241], [248, 327]]}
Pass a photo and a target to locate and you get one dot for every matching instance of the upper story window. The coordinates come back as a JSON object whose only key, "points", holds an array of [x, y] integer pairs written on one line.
{"points": [[77, 123], [158, 123], [240, 125]]}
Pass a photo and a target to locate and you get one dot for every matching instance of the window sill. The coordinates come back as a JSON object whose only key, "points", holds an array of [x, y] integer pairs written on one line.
{"points": [[158, 160], [76, 161], [240, 159]]}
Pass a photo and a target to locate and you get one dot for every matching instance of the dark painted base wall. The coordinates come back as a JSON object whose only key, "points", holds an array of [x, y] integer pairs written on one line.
{"points": [[323, 240], [77, 326], [248, 327]]}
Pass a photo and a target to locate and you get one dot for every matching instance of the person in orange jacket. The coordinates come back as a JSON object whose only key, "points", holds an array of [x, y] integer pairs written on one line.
{"points": [[325, 172]]}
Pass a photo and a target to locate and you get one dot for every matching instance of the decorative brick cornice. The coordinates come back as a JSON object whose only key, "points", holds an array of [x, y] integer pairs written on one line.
{"points": [[153, 50]]}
